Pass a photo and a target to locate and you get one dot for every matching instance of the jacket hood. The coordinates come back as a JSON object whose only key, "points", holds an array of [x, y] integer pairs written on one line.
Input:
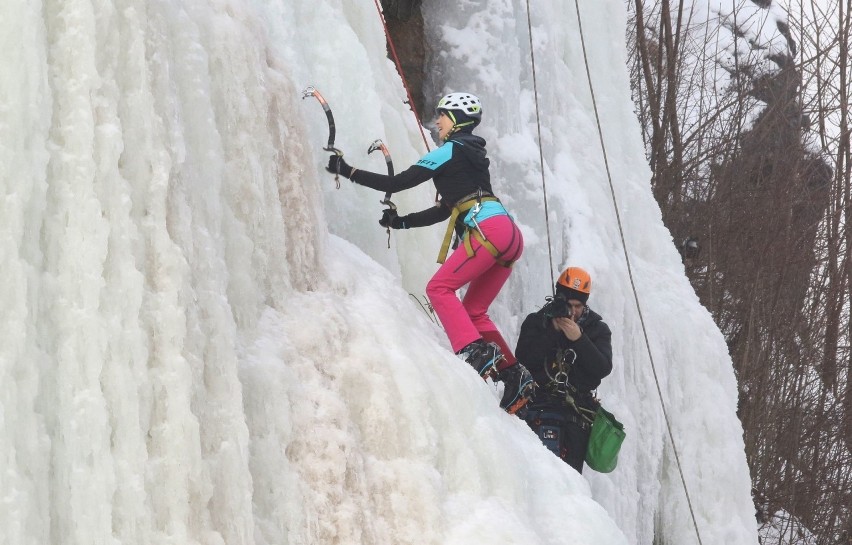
{"points": [[472, 147]]}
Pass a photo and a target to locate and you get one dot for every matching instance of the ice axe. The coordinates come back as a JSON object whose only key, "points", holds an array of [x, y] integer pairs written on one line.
{"points": [[378, 145], [332, 129]]}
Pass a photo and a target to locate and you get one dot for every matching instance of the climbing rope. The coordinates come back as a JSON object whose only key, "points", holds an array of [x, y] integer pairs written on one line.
{"points": [[402, 75], [541, 154], [630, 273]]}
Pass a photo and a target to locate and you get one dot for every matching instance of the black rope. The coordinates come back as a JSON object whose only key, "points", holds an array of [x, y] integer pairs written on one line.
{"points": [[427, 308], [630, 274], [541, 153]]}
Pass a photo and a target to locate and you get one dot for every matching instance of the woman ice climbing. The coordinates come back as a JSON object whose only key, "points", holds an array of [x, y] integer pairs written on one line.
{"points": [[491, 240]]}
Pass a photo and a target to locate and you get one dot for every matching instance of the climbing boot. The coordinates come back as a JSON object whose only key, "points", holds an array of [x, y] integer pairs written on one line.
{"points": [[483, 357], [518, 387]]}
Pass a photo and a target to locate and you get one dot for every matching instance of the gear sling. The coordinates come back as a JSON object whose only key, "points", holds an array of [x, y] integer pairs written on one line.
{"points": [[595, 432], [564, 431], [472, 201]]}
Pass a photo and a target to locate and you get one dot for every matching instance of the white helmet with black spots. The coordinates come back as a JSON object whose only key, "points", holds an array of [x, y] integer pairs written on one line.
{"points": [[466, 103]]}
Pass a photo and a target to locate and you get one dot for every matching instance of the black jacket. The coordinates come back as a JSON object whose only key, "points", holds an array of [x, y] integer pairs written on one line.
{"points": [[539, 344], [459, 168]]}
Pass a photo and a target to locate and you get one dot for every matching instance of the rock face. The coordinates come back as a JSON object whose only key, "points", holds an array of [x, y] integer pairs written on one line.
{"points": [[405, 24], [401, 10]]}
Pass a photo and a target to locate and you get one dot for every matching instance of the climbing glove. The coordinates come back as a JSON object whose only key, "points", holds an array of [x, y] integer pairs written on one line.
{"points": [[336, 165], [391, 219]]}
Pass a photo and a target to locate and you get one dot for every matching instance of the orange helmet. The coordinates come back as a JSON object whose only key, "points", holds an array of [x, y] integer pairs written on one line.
{"points": [[574, 283]]}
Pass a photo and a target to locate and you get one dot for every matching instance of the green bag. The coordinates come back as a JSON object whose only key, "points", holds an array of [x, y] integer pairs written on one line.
{"points": [[604, 442]]}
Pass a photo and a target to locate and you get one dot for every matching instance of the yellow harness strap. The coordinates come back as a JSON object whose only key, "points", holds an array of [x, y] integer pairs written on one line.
{"points": [[485, 244], [462, 206]]}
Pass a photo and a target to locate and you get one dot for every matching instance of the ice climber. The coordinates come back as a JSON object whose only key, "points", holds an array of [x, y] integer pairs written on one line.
{"points": [[491, 242], [567, 348]]}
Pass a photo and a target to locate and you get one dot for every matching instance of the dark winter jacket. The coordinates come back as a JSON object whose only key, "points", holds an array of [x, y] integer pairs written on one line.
{"points": [[459, 168], [540, 343]]}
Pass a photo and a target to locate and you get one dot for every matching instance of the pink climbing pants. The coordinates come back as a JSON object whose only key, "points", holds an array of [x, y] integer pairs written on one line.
{"points": [[467, 320]]}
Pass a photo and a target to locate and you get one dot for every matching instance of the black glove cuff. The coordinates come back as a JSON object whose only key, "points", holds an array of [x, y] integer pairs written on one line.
{"points": [[337, 165]]}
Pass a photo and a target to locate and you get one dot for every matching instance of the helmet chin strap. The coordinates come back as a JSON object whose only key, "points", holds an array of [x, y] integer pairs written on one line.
{"points": [[456, 125], [452, 131]]}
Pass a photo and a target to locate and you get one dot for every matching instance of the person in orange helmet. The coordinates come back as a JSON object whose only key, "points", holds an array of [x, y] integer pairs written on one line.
{"points": [[567, 348]]}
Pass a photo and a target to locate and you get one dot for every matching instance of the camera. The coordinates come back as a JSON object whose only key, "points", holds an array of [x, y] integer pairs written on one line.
{"points": [[556, 307]]}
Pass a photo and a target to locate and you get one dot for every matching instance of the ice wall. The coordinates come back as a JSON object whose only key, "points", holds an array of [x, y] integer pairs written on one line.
{"points": [[204, 342]]}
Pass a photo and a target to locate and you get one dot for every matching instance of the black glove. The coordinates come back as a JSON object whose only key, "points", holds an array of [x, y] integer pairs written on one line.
{"points": [[336, 165], [391, 219]]}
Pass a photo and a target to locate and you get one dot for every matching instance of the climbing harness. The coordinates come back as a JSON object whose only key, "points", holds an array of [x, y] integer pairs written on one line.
{"points": [[471, 203], [332, 130], [464, 204], [480, 237], [606, 433], [560, 386], [559, 379], [376, 146]]}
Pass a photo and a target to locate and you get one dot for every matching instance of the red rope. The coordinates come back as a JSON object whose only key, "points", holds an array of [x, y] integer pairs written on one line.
{"points": [[402, 75]]}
